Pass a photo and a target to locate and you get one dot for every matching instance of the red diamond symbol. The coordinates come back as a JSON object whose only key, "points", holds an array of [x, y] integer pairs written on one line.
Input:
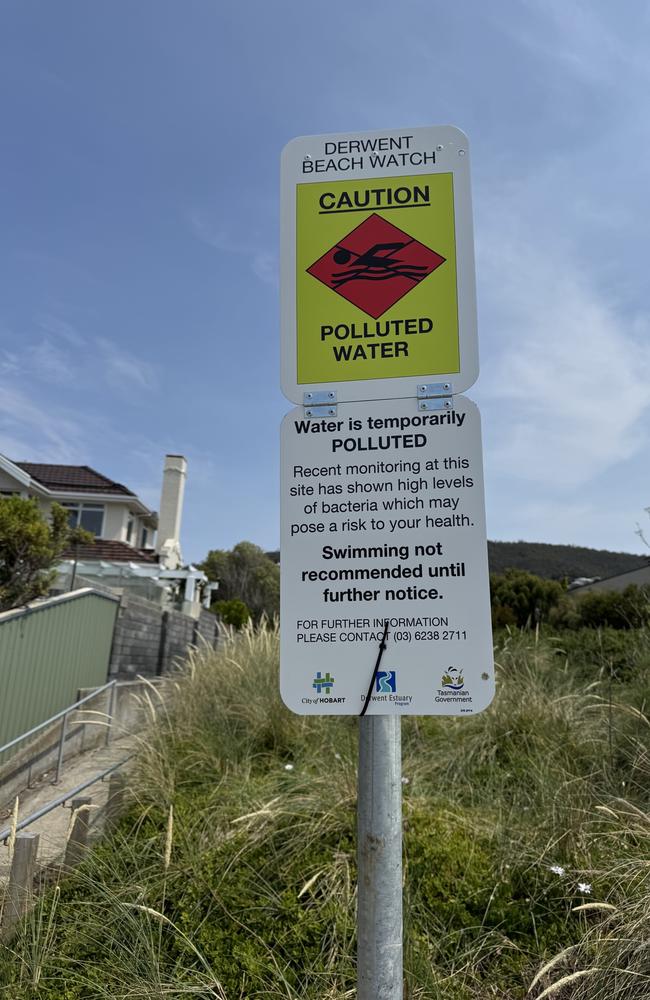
{"points": [[375, 265]]}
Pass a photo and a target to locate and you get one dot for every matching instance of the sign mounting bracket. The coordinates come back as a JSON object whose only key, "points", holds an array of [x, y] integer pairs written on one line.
{"points": [[320, 404], [435, 396]]}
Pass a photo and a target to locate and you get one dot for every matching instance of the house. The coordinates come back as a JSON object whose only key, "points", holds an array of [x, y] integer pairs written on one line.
{"points": [[135, 548], [639, 577]]}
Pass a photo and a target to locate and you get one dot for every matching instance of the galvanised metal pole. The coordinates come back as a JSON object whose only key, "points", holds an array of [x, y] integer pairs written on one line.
{"points": [[379, 808]]}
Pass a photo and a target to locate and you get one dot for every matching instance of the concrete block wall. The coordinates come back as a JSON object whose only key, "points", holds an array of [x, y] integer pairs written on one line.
{"points": [[148, 640]]}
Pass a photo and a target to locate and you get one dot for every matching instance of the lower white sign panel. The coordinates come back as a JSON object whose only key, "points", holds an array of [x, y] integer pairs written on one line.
{"points": [[383, 519]]}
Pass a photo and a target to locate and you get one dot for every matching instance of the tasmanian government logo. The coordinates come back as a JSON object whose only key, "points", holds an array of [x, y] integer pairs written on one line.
{"points": [[453, 679], [385, 682], [375, 265], [452, 689]]}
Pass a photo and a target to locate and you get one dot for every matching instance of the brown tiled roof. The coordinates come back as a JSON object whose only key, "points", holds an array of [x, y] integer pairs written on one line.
{"points": [[73, 479], [109, 551]]}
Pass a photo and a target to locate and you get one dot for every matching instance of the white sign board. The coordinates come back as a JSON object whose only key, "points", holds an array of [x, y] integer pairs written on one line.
{"points": [[377, 263], [383, 519]]}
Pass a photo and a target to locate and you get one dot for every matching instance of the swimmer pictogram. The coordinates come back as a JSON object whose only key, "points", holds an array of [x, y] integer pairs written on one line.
{"points": [[375, 265]]}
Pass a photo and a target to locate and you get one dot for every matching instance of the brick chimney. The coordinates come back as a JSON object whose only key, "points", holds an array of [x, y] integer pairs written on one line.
{"points": [[168, 546]]}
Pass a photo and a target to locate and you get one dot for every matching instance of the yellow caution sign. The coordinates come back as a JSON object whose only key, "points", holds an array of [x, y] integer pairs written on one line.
{"points": [[376, 279]]}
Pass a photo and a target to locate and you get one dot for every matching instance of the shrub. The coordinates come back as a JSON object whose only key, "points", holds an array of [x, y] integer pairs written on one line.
{"points": [[522, 599], [625, 609], [234, 612]]}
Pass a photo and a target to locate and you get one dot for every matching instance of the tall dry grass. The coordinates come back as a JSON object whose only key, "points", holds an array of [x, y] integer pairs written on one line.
{"points": [[234, 873]]}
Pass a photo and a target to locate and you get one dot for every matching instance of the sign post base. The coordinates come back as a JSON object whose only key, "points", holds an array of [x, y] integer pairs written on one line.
{"points": [[379, 839]]}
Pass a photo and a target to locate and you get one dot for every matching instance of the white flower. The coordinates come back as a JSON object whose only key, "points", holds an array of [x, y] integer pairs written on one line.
{"points": [[584, 887], [557, 869], [288, 767], [406, 781], [337, 756]]}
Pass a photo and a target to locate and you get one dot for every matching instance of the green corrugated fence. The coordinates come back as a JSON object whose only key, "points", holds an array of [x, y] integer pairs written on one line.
{"points": [[49, 651]]}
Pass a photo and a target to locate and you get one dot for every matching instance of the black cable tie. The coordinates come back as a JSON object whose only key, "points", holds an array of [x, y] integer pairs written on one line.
{"points": [[382, 647]]}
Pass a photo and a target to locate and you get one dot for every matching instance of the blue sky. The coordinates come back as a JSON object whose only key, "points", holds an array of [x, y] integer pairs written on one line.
{"points": [[139, 217]]}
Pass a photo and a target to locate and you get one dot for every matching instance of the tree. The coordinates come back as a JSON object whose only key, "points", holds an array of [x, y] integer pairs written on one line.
{"points": [[30, 548], [522, 599], [247, 574]]}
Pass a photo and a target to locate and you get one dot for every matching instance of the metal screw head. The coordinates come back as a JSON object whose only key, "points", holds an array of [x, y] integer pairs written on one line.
{"points": [[446, 385], [423, 388], [485, 677], [331, 395], [447, 404], [423, 406], [309, 395], [331, 411]]}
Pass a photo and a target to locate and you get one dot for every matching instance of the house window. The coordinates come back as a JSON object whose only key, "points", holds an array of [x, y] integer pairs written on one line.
{"points": [[129, 530], [89, 516], [145, 534]]}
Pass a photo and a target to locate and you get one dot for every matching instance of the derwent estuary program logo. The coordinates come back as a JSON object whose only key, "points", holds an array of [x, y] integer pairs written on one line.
{"points": [[386, 690], [375, 265], [385, 681]]}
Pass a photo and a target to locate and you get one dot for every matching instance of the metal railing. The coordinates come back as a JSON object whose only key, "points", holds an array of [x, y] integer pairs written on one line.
{"points": [[61, 800], [63, 716]]}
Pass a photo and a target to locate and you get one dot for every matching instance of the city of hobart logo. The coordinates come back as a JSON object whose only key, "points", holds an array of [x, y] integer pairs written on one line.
{"points": [[375, 265], [321, 683], [385, 681]]}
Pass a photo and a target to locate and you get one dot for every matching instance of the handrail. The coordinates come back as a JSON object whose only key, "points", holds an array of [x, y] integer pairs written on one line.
{"points": [[54, 718], [44, 810]]}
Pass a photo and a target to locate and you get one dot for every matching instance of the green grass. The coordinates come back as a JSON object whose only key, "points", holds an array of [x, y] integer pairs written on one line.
{"points": [[233, 875]]}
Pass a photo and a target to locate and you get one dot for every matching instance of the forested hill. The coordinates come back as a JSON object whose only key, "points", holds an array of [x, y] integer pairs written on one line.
{"points": [[559, 561], [554, 562]]}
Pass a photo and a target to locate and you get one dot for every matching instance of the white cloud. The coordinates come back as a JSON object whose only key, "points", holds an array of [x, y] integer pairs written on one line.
{"points": [[49, 363], [43, 360], [207, 232], [59, 436], [65, 356], [568, 368], [122, 369], [266, 266], [262, 262], [60, 328], [588, 44]]}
